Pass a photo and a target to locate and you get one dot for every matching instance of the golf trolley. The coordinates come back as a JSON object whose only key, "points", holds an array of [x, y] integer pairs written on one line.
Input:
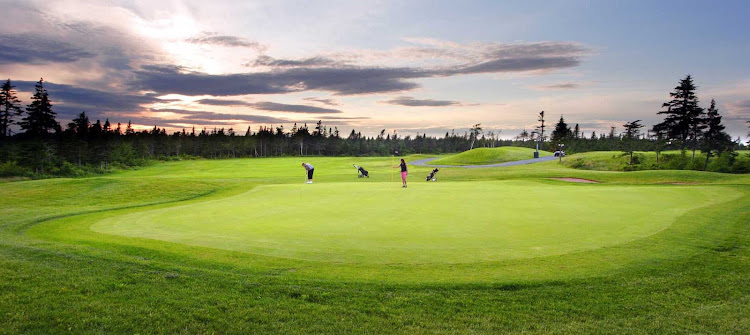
{"points": [[431, 176], [362, 172]]}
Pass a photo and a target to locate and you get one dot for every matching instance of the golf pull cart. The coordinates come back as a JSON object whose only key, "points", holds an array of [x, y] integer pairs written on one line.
{"points": [[431, 176], [362, 172]]}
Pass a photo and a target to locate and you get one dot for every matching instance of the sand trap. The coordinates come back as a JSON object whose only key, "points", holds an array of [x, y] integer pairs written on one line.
{"points": [[577, 180]]}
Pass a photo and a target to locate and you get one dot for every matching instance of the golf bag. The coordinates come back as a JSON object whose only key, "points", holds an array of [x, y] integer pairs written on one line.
{"points": [[432, 174], [362, 172]]}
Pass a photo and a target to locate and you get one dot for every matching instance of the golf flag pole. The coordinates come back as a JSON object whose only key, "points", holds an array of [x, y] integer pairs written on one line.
{"points": [[393, 161]]}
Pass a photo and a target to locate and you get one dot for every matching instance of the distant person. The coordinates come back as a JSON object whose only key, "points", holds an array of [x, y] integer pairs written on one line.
{"points": [[404, 172], [310, 169]]}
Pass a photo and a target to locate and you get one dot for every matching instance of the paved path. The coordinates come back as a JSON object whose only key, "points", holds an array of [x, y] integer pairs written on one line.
{"points": [[424, 162]]}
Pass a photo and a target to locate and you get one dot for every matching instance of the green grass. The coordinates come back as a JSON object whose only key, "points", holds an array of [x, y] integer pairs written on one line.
{"points": [[457, 222], [242, 246], [485, 156], [619, 161]]}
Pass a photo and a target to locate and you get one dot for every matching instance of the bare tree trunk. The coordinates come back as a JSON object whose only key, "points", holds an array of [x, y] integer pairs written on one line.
{"points": [[705, 166]]}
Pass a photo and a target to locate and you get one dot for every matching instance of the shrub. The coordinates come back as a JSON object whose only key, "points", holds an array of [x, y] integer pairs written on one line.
{"points": [[12, 169], [69, 170]]}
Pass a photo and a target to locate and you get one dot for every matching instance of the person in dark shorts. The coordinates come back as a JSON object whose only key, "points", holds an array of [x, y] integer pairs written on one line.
{"points": [[404, 172], [310, 169]]}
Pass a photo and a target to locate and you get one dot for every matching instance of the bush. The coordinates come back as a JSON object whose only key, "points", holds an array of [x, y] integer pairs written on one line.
{"points": [[676, 162], [722, 163], [69, 170], [12, 169], [741, 166]]}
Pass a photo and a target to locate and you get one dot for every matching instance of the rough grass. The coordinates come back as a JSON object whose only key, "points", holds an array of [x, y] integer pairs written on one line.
{"points": [[669, 160], [59, 276], [485, 156]]}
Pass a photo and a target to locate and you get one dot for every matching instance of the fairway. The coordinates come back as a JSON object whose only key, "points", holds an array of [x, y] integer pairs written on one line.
{"points": [[440, 223]]}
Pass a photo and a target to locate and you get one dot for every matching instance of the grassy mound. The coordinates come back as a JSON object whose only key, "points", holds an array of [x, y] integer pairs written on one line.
{"points": [[668, 160], [484, 156]]}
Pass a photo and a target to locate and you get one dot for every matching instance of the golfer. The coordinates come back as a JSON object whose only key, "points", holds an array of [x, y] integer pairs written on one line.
{"points": [[404, 172], [310, 169]]}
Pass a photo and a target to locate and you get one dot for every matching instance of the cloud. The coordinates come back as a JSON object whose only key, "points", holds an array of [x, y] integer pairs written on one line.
{"points": [[738, 110], [340, 81], [340, 78], [278, 107], [188, 116], [305, 62], [213, 38], [329, 102], [558, 86], [38, 49], [218, 102], [79, 98], [516, 65], [411, 102]]}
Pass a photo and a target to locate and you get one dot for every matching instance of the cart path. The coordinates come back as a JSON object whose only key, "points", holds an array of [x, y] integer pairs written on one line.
{"points": [[425, 161]]}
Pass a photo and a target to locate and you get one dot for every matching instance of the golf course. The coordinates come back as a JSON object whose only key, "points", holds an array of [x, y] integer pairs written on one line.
{"points": [[245, 246]]}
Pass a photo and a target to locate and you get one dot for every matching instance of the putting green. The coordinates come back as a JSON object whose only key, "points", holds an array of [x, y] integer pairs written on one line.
{"points": [[452, 222]]}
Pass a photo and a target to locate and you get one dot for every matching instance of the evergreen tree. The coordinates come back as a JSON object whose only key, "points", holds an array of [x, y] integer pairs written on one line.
{"points": [[683, 115], [523, 136], [80, 125], [632, 132], [40, 119], [9, 107], [562, 132], [540, 128], [576, 132], [715, 139], [475, 131]]}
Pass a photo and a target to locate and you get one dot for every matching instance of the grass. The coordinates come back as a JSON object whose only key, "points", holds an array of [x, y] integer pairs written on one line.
{"points": [[619, 161], [633, 255], [457, 222], [485, 156]]}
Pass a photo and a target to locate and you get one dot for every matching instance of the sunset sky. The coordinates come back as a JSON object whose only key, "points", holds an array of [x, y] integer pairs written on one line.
{"points": [[409, 66]]}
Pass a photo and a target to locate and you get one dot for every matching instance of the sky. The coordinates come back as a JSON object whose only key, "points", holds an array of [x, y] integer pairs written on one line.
{"points": [[407, 66]]}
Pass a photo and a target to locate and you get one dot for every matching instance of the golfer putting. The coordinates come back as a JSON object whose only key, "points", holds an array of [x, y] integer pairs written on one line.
{"points": [[404, 172], [310, 170]]}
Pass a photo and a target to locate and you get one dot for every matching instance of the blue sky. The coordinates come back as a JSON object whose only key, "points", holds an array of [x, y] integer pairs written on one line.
{"points": [[409, 66]]}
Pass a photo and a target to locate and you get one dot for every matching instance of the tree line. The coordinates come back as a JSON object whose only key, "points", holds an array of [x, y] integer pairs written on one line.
{"points": [[44, 147]]}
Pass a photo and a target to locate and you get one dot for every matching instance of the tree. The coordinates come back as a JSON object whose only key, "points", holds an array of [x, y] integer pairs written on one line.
{"points": [[523, 136], [577, 132], [9, 107], [632, 132], [683, 115], [540, 128], [562, 132], [714, 139], [476, 130], [40, 119]]}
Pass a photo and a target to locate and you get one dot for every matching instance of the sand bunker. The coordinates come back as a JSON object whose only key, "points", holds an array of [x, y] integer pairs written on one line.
{"points": [[577, 180]]}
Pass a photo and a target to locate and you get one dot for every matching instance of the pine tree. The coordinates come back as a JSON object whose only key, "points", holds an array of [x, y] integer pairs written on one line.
{"points": [[40, 119], [476, 130], [540, 128], [714, 139], [9, 107], [576, 132], [632, 132], [683, 115], [562, 131]]}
